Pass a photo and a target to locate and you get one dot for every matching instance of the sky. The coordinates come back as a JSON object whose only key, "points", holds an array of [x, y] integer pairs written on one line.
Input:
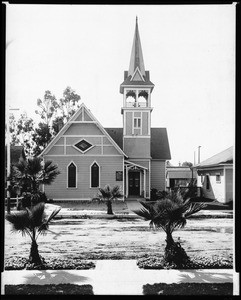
{"points": [[188, 49]]}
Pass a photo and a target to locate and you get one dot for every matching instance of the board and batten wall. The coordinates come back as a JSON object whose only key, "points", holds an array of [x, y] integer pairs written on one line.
{"points": [[158, 174]]}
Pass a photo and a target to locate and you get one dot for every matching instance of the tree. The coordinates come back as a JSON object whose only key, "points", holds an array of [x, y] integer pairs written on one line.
{"points": [[28, 174], [32, 222], [21, 131], [68, 104], [169, 214], [187, 164], [54, 114], [47, 107], [41, 137], [107, 195]]}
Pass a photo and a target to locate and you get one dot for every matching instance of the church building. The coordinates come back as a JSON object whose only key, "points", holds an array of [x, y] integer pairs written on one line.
{"points": [[90, 156]]}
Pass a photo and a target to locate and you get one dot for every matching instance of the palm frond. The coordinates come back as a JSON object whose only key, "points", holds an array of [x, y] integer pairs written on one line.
{"points": [[116, 192], [20, 220], [104, 193], [53, 214], [37, 214], [144, 213], [194, 208], [50, 172], [34, 165]]}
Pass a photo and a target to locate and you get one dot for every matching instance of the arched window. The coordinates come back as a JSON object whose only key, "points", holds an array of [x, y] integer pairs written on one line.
{"points": [[95, 176], [72, 175]]}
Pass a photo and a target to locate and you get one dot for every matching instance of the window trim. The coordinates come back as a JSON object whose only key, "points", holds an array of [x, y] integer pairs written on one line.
{"points": [[138, 120], [94, 187], [83, 139], [76, 177], [218, 181]]}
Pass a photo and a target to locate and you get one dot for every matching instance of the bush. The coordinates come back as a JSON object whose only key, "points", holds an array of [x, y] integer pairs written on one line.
{"points": [[157, 195], [29, 198]]}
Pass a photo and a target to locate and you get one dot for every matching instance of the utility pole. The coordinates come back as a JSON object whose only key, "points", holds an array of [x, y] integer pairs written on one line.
{"points": [[194, 158], [199, 154]]}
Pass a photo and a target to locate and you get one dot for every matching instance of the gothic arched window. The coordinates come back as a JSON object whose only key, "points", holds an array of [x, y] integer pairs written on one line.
{"points": [[95, 175], [72, 175]]}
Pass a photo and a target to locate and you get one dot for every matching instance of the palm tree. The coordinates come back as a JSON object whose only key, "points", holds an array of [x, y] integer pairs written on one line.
{"points": [[107, 195], [169, 214], [32, 222], [30, 173]]}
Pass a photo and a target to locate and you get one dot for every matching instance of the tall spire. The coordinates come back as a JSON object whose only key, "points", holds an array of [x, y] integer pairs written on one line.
{"points": [[136, 54]]}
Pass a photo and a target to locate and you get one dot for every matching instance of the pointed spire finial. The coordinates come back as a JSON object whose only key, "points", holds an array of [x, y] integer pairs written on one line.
{"points": [[136, 54]]}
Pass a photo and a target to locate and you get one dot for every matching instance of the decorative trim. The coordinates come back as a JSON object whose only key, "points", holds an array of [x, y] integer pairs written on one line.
{"points": [[80, 149], [82, 135], [94, 162], [76, 180], [78, 155], [137, 136], [137, 70]]}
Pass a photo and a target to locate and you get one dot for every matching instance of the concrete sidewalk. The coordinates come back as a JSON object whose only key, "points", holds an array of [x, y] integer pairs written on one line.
{"points": [[116, 277]]}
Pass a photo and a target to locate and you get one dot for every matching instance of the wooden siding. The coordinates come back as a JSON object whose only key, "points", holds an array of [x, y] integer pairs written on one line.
{"points": [[108, 168], [137, 147], [90, 139], [60, 141], [83, 129], [145, 123], [128, 123], [70, 150], [158, 174], [229, 185]]}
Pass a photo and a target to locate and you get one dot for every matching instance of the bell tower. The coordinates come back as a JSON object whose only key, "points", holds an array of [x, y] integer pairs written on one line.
{"points": [[136, 110]]}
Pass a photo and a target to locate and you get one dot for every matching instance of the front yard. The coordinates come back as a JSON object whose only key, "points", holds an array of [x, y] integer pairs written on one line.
{"points": [[94, 239]]}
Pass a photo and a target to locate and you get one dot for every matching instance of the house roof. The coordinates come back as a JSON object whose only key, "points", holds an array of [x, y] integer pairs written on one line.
{"points": [[224, 157], [159, 141], [68, 124]]}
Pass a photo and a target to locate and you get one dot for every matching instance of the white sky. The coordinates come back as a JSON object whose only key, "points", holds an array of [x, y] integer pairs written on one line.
{"points": [[188, 49]]}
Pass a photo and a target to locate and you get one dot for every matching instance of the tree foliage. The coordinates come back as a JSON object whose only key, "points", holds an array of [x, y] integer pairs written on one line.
{"points": [[170, 213], [32, 222], [28, 174], [107, 195], [54, 113]]}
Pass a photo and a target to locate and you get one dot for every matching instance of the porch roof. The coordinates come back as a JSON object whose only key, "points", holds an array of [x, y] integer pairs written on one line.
{"points": [[127, 162]]}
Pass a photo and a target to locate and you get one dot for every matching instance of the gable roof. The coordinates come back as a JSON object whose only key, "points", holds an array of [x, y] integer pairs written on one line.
{"points": [[159, 141], [224, 157], [82, 109]]}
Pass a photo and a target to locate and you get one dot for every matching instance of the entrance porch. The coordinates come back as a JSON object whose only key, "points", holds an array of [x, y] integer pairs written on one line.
{"points": [[135, 181]]}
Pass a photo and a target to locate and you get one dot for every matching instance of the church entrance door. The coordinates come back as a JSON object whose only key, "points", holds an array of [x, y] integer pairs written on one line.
{"points": [[134, 183]]}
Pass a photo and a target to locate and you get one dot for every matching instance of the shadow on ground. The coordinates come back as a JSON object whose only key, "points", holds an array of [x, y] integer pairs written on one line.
{"points": [[53, 277]]}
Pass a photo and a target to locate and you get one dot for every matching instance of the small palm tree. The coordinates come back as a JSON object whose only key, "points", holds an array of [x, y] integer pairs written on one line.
{"points": [[30, 173], [32, 222], [169, 214], [107, 195]]}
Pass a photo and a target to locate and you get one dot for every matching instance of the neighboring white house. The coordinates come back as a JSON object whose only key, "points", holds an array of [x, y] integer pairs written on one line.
{"points": [[215, 176]]}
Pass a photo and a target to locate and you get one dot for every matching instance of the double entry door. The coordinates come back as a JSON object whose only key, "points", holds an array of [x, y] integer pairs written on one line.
{"points": [[134, 183]]}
